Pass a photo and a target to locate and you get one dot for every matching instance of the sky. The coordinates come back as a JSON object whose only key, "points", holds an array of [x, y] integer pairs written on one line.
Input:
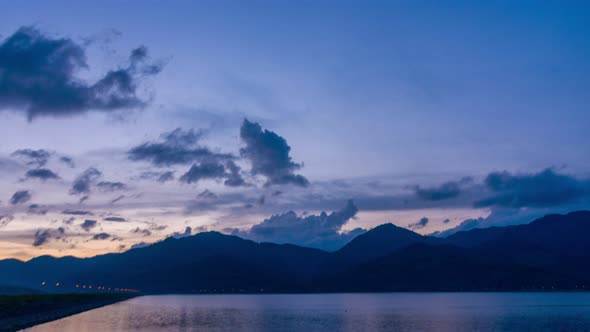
{"points": [[307, 122]]}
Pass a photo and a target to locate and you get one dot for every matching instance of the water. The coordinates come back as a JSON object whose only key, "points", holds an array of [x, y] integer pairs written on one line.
{"points": [[338, 312]]}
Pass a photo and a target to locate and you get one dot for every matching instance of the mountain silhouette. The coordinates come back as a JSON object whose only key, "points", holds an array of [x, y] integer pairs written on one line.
{"points": [[549, 253]]}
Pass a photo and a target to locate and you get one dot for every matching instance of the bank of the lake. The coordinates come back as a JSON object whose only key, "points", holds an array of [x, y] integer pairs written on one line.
{"points": [[22, 311]]}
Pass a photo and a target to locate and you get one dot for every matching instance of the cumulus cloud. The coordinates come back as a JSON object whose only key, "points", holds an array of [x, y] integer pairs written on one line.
{"points": [[20, 197], [179, 147], [42, 174], [203, 171], [323, 231], [39, 77], [269, 156], [42, 236], [543, 189], [88, 224], [444, 191], [419, 224], [101, 236], [38, 158], [84, 181]]}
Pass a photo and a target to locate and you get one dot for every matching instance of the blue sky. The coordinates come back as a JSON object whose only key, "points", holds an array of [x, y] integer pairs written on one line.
{"points": [[375, 100]]}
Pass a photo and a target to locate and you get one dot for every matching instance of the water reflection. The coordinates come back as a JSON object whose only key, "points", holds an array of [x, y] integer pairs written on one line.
{"points": [[339, 312]]}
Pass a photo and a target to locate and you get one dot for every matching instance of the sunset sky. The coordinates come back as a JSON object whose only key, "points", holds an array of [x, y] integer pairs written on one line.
{"points": [[125, 123]]}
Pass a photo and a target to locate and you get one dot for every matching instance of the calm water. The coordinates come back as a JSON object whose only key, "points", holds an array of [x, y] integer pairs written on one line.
{"points": [[338, 312]]}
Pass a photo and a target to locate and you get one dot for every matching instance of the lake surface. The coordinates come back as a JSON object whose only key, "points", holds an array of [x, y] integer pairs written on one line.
{"points": [[338, 312]]}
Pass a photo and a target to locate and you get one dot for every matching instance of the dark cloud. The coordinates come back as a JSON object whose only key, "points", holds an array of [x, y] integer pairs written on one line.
{"points": [[115, 219], [43, 174], [39, 77], [178, 147], [42, 236], [444, 191], [68, 161], [543, 189], [37, 158], [20, 197], [234, 177], [101, 236], [318, 231], [269, 155], [111, 186], [446, 221], [77, 212], [419, 224], [83, 182], [88, 224], [203, 171]]}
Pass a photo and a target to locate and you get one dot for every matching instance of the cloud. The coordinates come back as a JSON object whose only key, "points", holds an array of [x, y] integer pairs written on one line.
{"points": [[43, 235], [207, 194], [142, 231], [161, 177], [68, 161], [20, 197], [444, 191], [117, 199], [5, 220], [233, 177], [77, 212], [39, 77], [38, 158], [419, 224], [111, 186], [179, 147], [187, 232], [83, 182], [543, 189], [269, 155], [323, 231], [42, 174], [115, 219], [88, 224], [140, 245], [37, 209], [101, 236], [203, 171]]}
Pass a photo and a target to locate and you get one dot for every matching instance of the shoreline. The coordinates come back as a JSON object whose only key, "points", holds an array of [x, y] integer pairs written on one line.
{"points": [[24, 311]]}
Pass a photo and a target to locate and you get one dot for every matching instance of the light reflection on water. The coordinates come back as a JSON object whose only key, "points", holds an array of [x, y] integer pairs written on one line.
{"points": [[338, 312]]}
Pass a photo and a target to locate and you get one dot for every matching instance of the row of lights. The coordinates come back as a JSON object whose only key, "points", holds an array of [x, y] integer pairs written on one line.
{"points": [[98, 288]]}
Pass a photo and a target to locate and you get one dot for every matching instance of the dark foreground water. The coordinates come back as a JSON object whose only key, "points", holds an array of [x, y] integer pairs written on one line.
{"points": [[338, 312]]}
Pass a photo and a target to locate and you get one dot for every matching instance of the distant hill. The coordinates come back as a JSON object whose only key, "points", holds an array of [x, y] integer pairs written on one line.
{"points": [[550, 253]]}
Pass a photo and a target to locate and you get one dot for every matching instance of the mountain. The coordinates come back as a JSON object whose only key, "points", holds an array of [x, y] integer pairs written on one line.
{"points": [[549, 253]]}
